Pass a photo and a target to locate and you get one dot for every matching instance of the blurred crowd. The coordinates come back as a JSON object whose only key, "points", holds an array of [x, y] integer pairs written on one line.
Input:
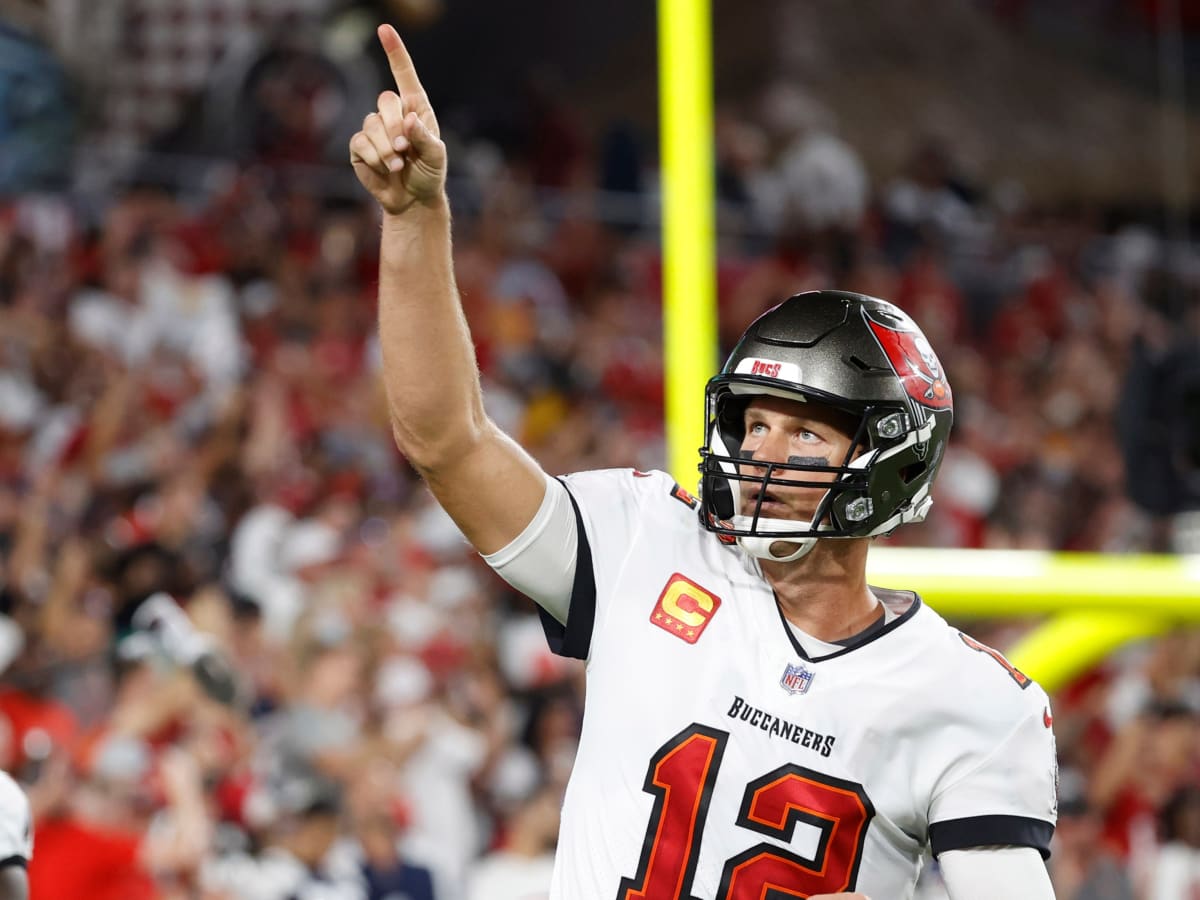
{"points": [[245, 657]]}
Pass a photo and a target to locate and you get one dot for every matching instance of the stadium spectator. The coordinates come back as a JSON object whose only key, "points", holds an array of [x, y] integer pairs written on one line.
{"points": [[521, 866], [1175, 870], [378, 821], [1084, 865], [109, 839], [301, 858]]}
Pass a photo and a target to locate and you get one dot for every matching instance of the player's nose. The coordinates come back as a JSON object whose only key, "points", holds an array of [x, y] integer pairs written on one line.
{"points": [[771, 449]]}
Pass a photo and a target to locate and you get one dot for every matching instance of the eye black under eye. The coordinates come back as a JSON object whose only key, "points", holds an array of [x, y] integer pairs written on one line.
{"points": [[808, 460], [791, 460]]}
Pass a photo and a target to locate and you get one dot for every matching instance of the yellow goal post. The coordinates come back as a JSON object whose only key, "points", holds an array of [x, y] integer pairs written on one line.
{"points": [[1095, 603]]}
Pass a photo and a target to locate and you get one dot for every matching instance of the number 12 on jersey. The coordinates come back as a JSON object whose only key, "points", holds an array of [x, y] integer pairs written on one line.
{"points": [[681, 777]]}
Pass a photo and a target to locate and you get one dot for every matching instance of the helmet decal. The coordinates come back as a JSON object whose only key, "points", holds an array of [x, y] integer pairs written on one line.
{"points": [[911, 357], [769, 368]]}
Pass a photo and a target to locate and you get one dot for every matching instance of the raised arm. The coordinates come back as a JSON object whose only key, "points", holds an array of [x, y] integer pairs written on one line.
{"points": [[482, 478]]}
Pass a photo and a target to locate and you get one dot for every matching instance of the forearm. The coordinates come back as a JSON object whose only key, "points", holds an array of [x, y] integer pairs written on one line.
{"points": [[29, 549], [481, 477], [1116, 766], [429, 363], [168, 701], [106, 423], [180, 843]]}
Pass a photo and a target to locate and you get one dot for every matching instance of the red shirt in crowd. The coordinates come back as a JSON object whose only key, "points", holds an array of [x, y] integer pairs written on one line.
{"points": [[74, 859]]}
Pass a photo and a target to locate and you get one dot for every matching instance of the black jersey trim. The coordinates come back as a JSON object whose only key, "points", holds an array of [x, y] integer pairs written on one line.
{"points": [[983, 831], [871, 633], [14, 861], [575, 638]]}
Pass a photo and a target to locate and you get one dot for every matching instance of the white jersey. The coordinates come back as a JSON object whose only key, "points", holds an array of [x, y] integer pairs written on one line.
{"points": [[16, 824], [719, 762]]}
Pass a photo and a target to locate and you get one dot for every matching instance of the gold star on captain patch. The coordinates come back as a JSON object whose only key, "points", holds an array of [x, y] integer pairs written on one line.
{"points": [[679, 626], [691, 632], [658, 617]]}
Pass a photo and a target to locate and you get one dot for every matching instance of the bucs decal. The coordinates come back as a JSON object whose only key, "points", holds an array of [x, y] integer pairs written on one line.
{"points": [[911, 357], [1023, 681], [684, 609], [684, 497]]}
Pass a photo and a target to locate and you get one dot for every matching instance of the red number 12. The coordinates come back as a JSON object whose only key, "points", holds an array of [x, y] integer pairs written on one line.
{"points": [[681, 777]]}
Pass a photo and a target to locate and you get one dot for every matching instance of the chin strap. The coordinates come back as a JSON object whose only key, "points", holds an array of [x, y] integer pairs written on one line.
{"points": [[760, 544]]}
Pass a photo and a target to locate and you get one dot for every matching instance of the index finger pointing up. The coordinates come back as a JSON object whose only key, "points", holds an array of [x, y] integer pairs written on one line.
{"points": [[403, 70]]}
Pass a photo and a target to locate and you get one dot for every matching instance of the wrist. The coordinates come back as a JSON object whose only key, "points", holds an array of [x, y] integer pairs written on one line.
{"points": [[418, 214]]}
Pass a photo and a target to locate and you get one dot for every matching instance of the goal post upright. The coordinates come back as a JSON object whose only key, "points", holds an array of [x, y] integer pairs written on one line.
{"points": [[1091, 603]]}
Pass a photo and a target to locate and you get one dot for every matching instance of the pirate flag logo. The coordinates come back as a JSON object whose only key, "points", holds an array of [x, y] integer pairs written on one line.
{"points": [[911, 357]]}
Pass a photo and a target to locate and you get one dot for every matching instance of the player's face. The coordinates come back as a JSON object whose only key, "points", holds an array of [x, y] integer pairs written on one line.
{"points": [[779, 430]]}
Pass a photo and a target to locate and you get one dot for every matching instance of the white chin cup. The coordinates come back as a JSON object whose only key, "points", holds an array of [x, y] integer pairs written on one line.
{"points": [[760, 544]]}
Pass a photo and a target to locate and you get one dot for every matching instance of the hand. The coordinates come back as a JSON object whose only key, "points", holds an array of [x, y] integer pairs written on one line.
{"points": [[399, 155], [179, 775]]}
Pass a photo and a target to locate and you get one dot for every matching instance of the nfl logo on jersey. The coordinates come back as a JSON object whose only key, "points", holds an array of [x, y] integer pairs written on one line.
{"points": [[796, 679]]}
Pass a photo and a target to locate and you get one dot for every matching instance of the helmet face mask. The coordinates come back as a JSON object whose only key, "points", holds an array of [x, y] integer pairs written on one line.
{"points": [[854, 354]]}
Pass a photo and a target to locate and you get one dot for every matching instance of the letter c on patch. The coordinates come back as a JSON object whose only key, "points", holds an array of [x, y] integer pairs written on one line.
{"points": [[687, 606], [684, 609]]}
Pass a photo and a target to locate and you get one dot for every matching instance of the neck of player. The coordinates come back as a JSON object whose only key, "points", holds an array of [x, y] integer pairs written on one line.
{"points": [[825, 593]]}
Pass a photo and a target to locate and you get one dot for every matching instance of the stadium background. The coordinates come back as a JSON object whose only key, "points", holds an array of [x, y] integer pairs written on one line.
{"points": [[189, 398]]}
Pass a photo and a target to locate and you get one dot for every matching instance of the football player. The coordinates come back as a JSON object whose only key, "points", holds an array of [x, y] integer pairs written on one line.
{"points": [[16, 840], [760, 722]]}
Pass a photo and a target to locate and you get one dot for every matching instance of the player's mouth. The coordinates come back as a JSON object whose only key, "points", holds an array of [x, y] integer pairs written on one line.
{"points": [[771, 507]]}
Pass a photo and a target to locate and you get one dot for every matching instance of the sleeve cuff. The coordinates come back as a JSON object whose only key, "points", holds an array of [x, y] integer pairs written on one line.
{"points": [[575, 638], [14, 861], [984, 831]]}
